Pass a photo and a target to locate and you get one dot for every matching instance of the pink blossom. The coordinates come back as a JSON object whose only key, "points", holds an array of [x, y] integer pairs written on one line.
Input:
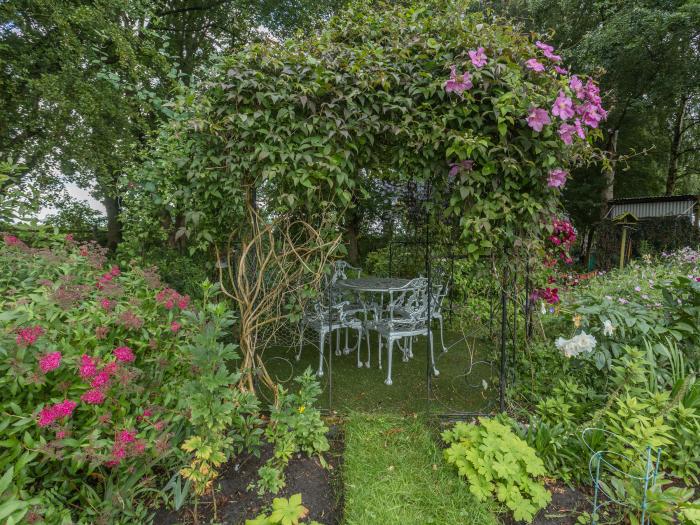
{"points": [[535, 65], [115, 271], [579, 129], [106, 304], [126, 436], [139, 447], [544, 47], [478, 57], [577, 86], [169, 304], [28, 336], [111, 368], [175, 327], [88, 368], [563, 107], [118, 451], [183, 302], [60, 434], [566, 132], [100, 380], [124, 353], [11, 240], [50, 362], [458, 83], [551, 56], [538, 118], [561, 70], [94, 396], [557, 178], [592, 92], [51, 413], [69, 237]]}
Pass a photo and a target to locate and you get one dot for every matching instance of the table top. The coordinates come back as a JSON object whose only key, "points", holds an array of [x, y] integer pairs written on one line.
{"points": [[373, 284]]}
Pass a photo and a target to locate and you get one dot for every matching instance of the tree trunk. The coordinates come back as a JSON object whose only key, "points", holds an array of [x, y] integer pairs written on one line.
{"points": [[609, 175], [114, 224], [676, 140]]}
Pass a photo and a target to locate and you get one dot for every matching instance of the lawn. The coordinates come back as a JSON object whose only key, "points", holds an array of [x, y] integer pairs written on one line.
{"points": [[394, 473], [464, 371]]}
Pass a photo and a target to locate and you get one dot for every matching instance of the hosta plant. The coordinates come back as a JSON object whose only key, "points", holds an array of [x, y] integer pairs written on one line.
{"points": [[496, 462]]}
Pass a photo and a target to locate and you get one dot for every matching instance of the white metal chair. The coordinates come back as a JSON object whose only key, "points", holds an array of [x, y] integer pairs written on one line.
{"points": [[405, 317], [341, 271], [324, 319]]}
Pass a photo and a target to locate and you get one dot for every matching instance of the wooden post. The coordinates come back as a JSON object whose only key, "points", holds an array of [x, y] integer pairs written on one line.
{"points": [[623, 245]]}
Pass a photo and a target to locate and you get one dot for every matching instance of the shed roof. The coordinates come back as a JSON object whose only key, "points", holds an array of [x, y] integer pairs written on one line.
{"points": [[655, 198]]}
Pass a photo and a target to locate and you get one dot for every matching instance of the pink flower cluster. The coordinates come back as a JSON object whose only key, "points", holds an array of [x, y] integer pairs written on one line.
{"points": [[557, 178], [28, 336], [50, 362], [125, 445], [51, 413], [108, 276], [548, 295], [124, 354], [170, 298], [11, 240], [100, 377], [564, 233]]}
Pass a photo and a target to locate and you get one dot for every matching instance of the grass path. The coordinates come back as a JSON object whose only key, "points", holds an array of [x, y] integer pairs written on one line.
{"points": [[394, 473]]}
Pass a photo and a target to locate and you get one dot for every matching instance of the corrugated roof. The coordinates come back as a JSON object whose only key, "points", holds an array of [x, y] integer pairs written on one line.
{"points": [[658, 198]]}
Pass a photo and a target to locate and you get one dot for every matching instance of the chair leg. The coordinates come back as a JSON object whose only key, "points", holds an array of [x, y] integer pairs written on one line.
{"points": [[301, 343], [442, 337], [379, 351], [436, 372], [337, 342], [389, 352], [359, 346], [347, 348], [322, 339], [369, 348]]}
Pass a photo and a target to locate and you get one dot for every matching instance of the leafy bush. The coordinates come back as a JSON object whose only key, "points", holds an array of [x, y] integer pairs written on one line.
{"points": [[94, 362], [497, 462]]}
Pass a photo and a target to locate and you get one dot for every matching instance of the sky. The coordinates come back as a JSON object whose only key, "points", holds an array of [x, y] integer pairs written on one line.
{"points": [[78, 194]]}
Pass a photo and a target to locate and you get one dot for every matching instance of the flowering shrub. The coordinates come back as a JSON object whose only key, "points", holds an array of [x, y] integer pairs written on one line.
{"points": [[92, 363]]}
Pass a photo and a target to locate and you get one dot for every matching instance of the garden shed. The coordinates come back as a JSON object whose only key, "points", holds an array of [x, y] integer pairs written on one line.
{"points": [[665, 223]]}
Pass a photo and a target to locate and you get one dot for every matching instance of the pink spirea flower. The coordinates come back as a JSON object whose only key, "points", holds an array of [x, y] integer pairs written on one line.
{"points": [[557, 178], [478, 57], [69, 237], [94, 396], [88, 368], [51, 413], [106, 304], [175, 327], [11, 240], [563, 107], [101, 379], [110, 368], [535, 65], [115, 271], [561, 70], [50, 362], [183, 302], [124, 353], [126, 436], [458, 83], [61, 434], [28, 336], [538, 118]]}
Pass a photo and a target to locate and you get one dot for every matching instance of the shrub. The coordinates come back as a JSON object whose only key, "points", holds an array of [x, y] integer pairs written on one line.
{"points": [[497, 462], [93, 360]]}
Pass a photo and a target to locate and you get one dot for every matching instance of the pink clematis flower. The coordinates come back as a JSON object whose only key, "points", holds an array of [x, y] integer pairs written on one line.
{"points": [[579, 129], [538, 118], [458, 83], [577, 86], [458, 167], [50, 362], [557, 178], [124, 353], [566, 132], [561, 70], [563, 107], [478, 57], [535, 65]]}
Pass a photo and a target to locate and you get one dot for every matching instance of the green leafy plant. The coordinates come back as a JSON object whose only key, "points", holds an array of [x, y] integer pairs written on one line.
{"points": [[285, 512], [496, 462]]}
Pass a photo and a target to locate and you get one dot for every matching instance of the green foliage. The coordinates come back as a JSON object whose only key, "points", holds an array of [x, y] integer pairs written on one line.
{"points": [[298, 121], [496, 462], [295, 425], [285, 512]]}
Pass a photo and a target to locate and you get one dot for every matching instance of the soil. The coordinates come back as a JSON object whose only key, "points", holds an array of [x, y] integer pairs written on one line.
{"points": [[320, 488], [566, 505]]}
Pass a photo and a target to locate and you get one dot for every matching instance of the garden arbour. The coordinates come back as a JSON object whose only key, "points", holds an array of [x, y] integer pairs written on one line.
{"points": [[436, 94]]}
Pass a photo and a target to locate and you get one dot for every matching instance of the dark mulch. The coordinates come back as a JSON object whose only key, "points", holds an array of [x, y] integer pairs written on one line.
{"points": [[320, 488], [566, 505]]}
